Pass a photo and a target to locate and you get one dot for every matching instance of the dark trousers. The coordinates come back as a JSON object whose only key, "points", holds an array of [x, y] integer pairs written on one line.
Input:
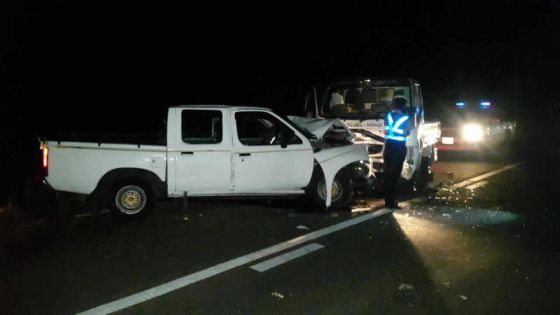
{"points": [[393, 160]]}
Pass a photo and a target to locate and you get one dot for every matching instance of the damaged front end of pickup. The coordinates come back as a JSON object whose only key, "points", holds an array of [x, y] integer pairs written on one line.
{"points": [[333, 141]]}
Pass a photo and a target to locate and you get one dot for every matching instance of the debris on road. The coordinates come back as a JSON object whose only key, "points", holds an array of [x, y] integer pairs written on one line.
{"points": [[463, 297], [302, 227], [405, 286], [277, 295], [407, 295], [334, 215], [447, 284]]}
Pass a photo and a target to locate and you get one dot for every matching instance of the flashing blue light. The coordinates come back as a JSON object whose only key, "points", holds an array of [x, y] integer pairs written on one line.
{"points": [[460, 104], [485, 104]]}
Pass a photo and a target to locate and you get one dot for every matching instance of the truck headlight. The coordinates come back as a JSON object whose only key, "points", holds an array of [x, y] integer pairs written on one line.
{"points": [[472, 132]]}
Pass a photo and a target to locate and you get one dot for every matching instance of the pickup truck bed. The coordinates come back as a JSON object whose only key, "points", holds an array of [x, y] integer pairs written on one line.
{"points": [[67, 160]]}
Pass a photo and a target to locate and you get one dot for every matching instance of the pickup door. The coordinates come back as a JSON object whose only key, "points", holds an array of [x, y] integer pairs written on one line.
{"points": [[269, 156], [199, 151], [226, 152]]}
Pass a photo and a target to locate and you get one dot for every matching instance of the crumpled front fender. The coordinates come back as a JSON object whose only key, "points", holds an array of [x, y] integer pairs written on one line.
{"points": [[332, 160]]}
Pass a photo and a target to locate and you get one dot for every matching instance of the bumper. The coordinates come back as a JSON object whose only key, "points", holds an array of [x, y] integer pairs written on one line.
{"points": [[452, 140]]}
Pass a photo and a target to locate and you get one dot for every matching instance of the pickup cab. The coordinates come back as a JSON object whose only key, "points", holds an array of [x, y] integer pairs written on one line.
{"points": [[208, 150]]}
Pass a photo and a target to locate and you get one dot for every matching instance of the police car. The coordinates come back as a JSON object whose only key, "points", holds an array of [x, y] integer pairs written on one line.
{"points": [[474, 126]]}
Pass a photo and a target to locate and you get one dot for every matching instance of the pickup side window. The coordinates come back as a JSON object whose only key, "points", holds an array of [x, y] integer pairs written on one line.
{"points": [[260, 128], [201, 126]]}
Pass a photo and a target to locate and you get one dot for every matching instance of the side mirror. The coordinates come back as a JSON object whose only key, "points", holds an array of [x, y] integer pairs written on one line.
{"points": [[284, 136], [283, 140]]}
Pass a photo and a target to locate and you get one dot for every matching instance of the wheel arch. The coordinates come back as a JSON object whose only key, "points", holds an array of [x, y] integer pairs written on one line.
{"points": [[336, 160], [104, 185]]}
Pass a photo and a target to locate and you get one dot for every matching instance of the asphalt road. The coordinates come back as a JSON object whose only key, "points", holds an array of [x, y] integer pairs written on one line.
{"points": [[487, 247]]}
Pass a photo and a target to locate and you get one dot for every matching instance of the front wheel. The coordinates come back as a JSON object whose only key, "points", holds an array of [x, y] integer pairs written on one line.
{"points": [[131, 199], [341, 191]]}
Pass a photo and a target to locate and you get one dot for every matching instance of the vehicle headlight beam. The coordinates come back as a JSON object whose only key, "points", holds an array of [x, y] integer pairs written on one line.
{"points": [[472, 132]]}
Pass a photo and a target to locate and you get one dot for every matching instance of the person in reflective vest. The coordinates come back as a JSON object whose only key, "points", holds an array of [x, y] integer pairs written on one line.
{"points": [[397, 128]]}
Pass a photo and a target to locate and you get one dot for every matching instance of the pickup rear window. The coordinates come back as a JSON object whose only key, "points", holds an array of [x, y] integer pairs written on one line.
{"points": [[201, 126]]}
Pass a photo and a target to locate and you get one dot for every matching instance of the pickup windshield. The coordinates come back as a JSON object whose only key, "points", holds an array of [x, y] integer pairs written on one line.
{"points": [[362, 99], [308, 134]]}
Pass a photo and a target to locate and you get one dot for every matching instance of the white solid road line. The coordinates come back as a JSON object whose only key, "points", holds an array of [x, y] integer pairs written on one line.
{"points": [[483, 176], [284, 258], [182, 282], [476, 185]]}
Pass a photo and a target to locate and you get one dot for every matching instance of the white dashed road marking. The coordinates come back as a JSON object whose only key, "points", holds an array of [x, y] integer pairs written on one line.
{"points": [[476, 185], [483, 176]]}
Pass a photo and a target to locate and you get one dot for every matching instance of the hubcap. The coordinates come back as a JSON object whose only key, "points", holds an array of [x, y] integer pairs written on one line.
{"points": [[336, 191], [130, 199]]}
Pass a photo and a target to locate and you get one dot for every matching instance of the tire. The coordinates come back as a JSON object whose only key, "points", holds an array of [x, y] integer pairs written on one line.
{"points": [[342, 187], [131, 199]]}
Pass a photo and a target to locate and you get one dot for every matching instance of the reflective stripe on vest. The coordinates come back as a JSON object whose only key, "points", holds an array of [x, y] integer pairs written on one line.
{"points": [[393, 129]]}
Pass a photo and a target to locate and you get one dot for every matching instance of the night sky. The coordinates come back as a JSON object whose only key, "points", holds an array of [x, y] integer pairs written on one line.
{"points": [[105, 66]]}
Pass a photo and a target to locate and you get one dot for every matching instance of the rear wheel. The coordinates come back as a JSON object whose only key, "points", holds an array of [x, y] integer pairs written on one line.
{"points": [[131, 199]]}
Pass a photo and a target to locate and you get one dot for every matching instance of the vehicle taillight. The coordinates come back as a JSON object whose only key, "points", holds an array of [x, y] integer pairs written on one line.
{"points": [[45, 160]]}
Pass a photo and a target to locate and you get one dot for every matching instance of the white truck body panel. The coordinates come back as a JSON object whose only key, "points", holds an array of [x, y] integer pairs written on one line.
{"points": [[271, 169], [225, 168], [78, 166]]}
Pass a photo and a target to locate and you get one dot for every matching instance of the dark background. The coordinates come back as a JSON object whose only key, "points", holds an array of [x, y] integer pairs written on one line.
{"points": [[116, 67]]}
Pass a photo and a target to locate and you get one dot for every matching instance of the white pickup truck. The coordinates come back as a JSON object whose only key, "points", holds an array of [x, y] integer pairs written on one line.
{"points": [[209, 150]]}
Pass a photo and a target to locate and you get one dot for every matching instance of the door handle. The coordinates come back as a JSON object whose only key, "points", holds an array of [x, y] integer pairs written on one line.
{"points": [[187, 153], [244, 154]]}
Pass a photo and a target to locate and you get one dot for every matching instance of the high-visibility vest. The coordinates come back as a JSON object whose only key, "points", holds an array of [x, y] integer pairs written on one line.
{"points": [[395, 126]]}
